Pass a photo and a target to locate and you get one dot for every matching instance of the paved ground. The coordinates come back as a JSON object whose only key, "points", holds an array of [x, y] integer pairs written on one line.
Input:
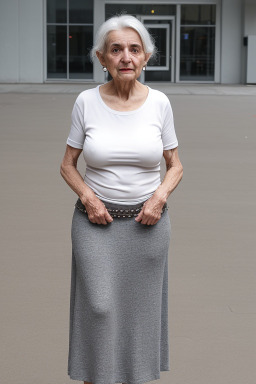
{"points": [[212, 285], [170, 89]]}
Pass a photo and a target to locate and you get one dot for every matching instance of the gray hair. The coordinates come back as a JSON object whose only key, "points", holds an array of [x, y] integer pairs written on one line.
{"points": [[119, 22]]}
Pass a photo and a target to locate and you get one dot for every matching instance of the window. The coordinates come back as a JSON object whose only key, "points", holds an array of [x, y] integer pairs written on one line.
{"points": [[69, 39], [197, 42], [139, 9]]}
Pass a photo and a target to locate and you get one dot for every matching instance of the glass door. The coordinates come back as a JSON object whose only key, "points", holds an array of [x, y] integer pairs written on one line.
{"points": [[69, 39], [161, 67]]}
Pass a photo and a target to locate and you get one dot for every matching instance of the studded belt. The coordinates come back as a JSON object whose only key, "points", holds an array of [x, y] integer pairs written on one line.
{"points": [[118, 212]]}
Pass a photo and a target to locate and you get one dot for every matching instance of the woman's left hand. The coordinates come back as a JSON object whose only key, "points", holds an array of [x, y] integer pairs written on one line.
{"points": [[152, 208], [151, 211]]}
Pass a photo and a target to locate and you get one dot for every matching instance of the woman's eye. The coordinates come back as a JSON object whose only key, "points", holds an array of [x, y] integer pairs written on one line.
{"points": [[115, 50]]}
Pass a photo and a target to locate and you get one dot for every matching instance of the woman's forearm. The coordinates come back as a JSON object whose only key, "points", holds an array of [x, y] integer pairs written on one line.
{"points": [[173, 175], [96, 210], [151, 212], [171, 179], [74, 179]]}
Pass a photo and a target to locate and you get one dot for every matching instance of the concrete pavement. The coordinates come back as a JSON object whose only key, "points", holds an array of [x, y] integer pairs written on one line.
{"points": [[212, 264], [167, 88]]}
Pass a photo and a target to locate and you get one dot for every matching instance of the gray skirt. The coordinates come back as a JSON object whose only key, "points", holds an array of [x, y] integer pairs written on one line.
{"points": [[118, 329]]}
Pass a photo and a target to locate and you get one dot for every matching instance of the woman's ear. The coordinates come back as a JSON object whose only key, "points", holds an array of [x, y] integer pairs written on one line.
{"points": [[147, 57], [100, 57]]}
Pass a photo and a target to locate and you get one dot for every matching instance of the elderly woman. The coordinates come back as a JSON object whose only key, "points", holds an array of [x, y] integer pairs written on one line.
{"points": [[120, 228]]}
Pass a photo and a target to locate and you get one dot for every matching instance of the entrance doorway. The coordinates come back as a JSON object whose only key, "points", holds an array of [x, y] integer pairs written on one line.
{"points": [[161, 67]]}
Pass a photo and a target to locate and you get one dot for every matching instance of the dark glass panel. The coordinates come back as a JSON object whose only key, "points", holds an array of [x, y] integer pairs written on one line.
{"points": [[197, 46], [161, 59], [152, 76], [198, 14], [57, 52], [81, 11], [140, 9], [56, 11], [159, 35], [156, 21], [80, 43]]}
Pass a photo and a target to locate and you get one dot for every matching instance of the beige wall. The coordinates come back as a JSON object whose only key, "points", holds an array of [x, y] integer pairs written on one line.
{"points": [[22, 55], [250, 18], [21, 41], [231, 41]]}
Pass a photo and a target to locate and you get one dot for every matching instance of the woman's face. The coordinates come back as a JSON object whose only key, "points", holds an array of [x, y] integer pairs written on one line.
{"points": [[124, 56]]}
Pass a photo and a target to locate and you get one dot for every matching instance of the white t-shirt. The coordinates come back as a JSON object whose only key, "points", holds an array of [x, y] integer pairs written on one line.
{"points": [[122, 150]]}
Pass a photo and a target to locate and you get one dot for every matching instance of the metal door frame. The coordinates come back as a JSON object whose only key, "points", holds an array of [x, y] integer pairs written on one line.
{"points": [[167, 48], [172, 19]]}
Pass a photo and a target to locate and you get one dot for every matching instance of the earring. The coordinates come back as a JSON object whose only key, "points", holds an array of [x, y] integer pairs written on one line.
{"points": [[144, 68], [104, 69]]}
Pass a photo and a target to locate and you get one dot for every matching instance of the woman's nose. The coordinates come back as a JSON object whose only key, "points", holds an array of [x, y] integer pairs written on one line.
{"points": [[126, 56]]}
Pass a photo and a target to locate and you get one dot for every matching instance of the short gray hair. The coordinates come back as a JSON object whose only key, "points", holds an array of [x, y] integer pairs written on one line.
{"points": [[119, 22]]}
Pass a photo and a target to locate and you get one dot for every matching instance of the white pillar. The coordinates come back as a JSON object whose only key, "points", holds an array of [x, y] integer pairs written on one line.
{"points": [[231, 41], [99, 18], [9, 41]]}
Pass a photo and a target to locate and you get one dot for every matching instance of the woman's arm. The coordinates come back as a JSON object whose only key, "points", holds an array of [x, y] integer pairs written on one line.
{"points": [[152, 209], [96, 210]]}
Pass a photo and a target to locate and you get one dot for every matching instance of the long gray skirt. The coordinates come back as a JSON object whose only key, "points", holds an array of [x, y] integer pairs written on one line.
{"points": [[118, 331]]}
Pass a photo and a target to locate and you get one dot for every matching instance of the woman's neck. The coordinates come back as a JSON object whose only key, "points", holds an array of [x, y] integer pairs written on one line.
{"points": [[123, 90]]}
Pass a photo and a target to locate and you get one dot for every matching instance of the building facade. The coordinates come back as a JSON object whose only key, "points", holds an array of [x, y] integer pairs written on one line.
{"points": [[212, 41]]}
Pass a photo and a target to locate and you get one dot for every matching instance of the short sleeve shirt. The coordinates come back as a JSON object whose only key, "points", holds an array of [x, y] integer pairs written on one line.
{"points": [[122, 149]]}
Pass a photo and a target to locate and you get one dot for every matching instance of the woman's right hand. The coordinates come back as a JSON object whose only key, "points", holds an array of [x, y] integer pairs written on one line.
{"points": [[96, 210]]}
